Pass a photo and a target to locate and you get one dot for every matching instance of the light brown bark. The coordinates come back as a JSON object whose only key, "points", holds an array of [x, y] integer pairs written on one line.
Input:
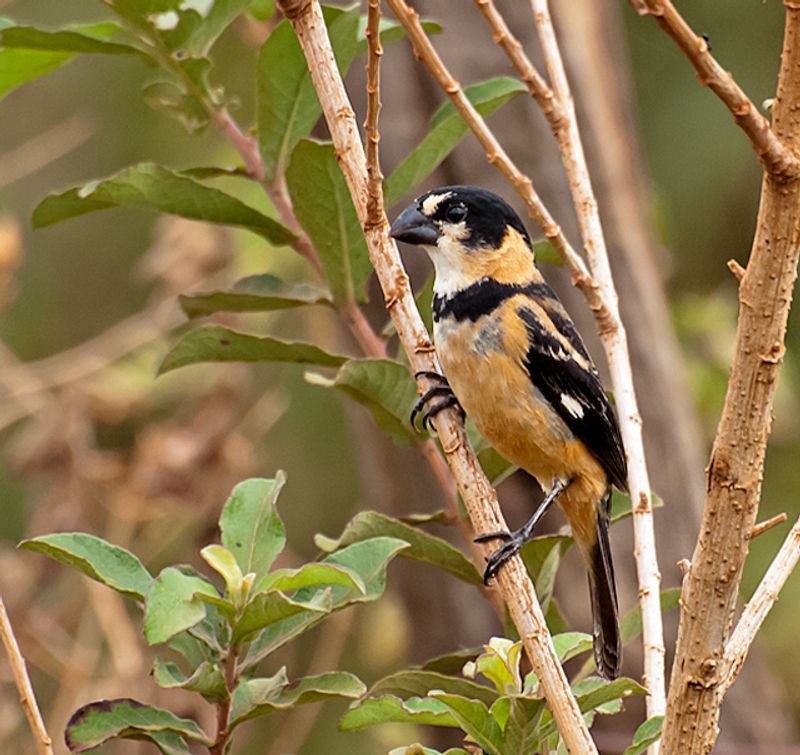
{"points": [[736, 468]]}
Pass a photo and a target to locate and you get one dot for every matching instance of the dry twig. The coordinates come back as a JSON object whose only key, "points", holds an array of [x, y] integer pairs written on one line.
{"points": [[557, 105], [616, 345], [759, 606], [498, 157], [44, 745], [775, 156], [477, 493]]}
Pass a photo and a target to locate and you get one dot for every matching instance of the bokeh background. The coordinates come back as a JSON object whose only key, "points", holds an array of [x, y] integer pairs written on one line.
{"points": [[92, 441]]}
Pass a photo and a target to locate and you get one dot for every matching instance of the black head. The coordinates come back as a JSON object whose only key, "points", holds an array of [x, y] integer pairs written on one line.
{"points": [[478, 218]]}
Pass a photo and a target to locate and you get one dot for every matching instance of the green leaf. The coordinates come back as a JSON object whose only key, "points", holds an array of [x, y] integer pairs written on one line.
{"points": [[258, 696], [474, 718], [606, 692], [419, 683], [369, 559], [200, 23], [424, 547], [447, 129], [647, 734], [382, 386], [452, 663], [153, 187], [86, 39], [569, 644], [268, 608], [257, 293], [324, 207], [544, 251], [522, 732], [391, 709], [276, 635], [30, 53], [287, 106], [499, 663], [97, 722], [103, 562], [207, 679], [310, 575], [250, 525], [542, 556], [213, 343], [171, 605]]}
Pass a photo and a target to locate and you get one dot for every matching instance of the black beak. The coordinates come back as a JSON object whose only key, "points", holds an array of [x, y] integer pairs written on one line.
{"points": [[413, 227]]}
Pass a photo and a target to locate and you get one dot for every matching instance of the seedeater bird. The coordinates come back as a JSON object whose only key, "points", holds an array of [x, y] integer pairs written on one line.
{"points": [[515, 363]]}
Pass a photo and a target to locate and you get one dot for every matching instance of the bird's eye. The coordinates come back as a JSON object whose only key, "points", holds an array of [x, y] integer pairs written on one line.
{"points": [[456, 213]]}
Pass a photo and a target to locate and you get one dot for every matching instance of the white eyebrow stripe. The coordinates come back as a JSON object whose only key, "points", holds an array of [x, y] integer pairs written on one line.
{"points": [[433, 201]]}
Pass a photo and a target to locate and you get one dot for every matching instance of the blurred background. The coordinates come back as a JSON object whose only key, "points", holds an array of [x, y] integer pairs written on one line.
{"points": [[92, 441]]}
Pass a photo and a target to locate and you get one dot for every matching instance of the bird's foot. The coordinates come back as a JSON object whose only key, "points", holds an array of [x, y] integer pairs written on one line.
{"points": [[443, 392], [512, 544]]}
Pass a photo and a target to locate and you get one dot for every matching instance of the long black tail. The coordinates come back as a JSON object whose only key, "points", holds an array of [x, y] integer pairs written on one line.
{"points": [[607, 643]]}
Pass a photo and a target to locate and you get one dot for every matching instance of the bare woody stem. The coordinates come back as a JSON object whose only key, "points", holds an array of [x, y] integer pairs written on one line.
{"points": [[351, 314], [776, 158], [558, 107], [498, 157], [44, 745], [759, 606], [478, 495], [736, 467], [373, 137]]}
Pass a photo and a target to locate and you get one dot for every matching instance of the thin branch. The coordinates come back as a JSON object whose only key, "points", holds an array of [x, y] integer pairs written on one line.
{"points": [[374, 53], [759, 606], [44, 745], [498, 157], [736, 468], [615, 342], [539, 89], [478, 495], [767, 524], [777, 159], [557, 105]]}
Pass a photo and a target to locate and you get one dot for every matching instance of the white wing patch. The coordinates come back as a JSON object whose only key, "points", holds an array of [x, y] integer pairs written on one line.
{"points": [[572, 405]]}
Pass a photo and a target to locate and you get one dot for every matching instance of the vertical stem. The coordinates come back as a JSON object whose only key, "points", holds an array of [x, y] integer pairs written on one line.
{"points": [[479, 498], [616, 345], [44, 745]]}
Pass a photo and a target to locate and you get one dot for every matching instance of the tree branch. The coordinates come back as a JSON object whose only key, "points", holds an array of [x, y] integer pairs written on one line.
{"points": [[374, 52], [477, 493], [776, 158], [44, 745], [759, 606], [557, 105], [736, 467]]}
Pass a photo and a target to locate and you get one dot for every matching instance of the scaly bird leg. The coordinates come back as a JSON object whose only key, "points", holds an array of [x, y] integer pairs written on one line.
{"points": [[515, 540], [443, 389]]}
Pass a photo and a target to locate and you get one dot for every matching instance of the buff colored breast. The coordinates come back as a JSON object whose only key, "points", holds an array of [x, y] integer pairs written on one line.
{"points": [[483, 362]]}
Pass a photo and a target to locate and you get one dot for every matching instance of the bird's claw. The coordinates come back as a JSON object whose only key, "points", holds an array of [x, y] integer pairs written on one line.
{"points": [[511, 547], [443, 389]]}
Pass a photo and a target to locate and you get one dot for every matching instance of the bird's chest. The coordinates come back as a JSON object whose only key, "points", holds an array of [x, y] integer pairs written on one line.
{"points": [[484, 364]]}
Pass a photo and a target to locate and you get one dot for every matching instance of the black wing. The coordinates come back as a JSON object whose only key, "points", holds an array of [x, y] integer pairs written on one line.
{"points": [[574, 391]]}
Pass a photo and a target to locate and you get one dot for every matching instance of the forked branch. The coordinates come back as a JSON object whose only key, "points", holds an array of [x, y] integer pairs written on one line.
{"points": [[776, 158], [478, 495]]}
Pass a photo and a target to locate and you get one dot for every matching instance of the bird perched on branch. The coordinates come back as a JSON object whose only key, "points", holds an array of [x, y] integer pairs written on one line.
{"points": [[514, 361]]}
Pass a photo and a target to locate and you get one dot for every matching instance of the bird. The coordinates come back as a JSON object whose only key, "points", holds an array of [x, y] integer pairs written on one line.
{"points": [[514, 362]]}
